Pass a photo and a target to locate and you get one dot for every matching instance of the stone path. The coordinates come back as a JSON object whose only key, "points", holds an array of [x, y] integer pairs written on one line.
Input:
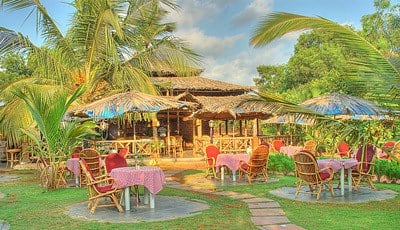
{"points": [[266, 213]]}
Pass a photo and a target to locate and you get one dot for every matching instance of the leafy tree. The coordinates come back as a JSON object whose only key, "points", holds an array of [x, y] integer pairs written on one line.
{"points": [[13, 66], [270, 79], [382, 28], [110, 46]]}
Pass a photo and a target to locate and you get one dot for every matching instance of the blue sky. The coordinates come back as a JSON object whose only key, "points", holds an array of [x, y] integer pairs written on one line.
{"points": [[220, 29]]}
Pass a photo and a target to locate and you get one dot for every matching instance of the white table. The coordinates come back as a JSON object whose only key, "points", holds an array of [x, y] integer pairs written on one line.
{"points": [[340, 164], [152, 178], [231, 161]]}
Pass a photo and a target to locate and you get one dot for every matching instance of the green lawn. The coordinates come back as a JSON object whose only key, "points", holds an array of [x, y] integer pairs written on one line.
{"points": [[27, 206]]}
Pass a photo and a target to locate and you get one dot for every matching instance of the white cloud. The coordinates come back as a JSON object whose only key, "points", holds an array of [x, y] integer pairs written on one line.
{"points": [[208, 45], [252, 12], [242, 68]]}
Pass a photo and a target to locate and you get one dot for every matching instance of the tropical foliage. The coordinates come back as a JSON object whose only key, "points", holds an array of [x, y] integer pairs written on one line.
{"points": [[109, 46], [368, 66], [57, 137]]}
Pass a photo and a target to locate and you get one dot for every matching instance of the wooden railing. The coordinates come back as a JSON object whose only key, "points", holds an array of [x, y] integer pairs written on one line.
{"points": [[225, 144], [146, 147]]}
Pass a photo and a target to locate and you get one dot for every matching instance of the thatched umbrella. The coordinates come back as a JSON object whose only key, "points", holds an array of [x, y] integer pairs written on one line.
{"points": [[232, 108], [132, 101], [342, 104]]}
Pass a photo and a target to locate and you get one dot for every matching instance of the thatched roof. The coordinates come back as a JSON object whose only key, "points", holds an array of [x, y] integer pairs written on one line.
{"points": [[199, 86], [233, 107], [132, 101]]}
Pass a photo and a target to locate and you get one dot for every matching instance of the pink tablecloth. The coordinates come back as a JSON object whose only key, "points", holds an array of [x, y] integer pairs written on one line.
{"points": [[231, 160], [150, 177], [73, 166], [336, 164], [290, 150]]}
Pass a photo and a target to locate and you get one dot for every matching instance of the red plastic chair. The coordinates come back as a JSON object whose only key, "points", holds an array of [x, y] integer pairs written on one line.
{"points": [[387, 148], [114, 160], [123, 152], [277, 144], [212, 152], [344, 149]]}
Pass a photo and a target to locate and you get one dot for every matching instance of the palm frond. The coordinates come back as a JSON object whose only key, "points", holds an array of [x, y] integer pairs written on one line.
{"points": [[370, 64]]}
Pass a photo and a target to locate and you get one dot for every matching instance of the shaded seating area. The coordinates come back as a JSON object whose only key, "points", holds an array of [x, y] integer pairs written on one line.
{"points": [[365, 156], [308, 173], [256, 166], [98, 188]]}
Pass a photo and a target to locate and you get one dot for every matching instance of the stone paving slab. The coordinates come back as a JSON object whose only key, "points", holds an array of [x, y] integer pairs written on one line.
{"points": [[267, 212], [166, 208], [364, 194], [257, 200], [8, 177], [264, 205], [282, 227], [4, 225], [269, 220], [226, 193], [243, 196]]}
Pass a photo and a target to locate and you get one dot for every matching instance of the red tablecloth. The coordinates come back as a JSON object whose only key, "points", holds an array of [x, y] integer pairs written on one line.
{"points": [[290, 150], [150, 177], [231, 160], [336, 164]]}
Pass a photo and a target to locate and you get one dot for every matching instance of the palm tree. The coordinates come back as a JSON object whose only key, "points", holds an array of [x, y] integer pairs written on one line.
{"points": [[57, 138], [110, 46], [370, 67]]}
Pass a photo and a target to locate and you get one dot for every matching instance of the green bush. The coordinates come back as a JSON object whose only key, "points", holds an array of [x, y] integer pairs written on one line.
{"points": [[280, 163], [391, 169]]}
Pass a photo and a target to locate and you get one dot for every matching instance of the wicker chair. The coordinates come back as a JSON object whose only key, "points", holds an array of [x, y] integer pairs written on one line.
{"points": [[100, 188], [256, 166], [307, 172], [310, 146], [396, 150], [93, 160], [366, 157], [211, 154]]}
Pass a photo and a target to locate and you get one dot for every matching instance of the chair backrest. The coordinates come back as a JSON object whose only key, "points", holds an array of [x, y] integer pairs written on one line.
{"points": [[92, 159], [310, 146], [365, 156], [114, 160], [344, 149], [306, 167], [259, 156], [123, 152], [277, 144], [211, 151]]}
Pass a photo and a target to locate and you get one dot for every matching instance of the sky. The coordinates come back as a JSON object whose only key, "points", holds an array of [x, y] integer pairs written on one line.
{"points": [[220, 30]]}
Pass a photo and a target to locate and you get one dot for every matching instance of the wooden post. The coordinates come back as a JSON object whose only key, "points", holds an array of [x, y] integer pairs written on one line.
{"points": [[255, 134]]}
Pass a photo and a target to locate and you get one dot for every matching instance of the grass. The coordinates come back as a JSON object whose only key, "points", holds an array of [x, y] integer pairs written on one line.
{"points": [[27, 206]]}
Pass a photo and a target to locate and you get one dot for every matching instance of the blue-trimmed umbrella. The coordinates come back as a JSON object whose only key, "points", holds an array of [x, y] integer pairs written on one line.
{"points": [[342, 104], [133, 101]]}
